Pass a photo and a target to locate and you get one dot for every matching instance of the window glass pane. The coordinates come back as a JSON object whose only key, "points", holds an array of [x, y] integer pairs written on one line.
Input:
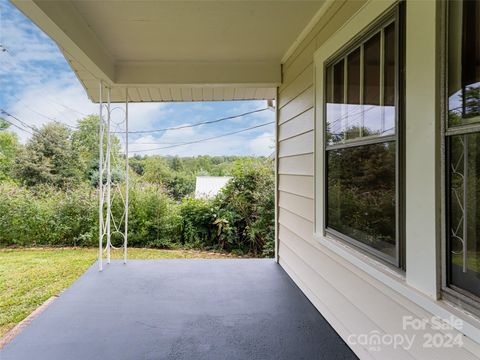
{"points": [[362, 109], [353, 121], [338, 82], [329, 87], [372, 71], [464, 212], [361, 198], [389, 87], [336, 108], [464, 62], [372, 111]]}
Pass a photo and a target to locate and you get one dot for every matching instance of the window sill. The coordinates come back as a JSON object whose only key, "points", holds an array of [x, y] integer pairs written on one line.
{"points": [[396, 280]]}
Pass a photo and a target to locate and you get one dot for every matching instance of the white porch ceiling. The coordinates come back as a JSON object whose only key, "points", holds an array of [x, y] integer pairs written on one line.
{"points": [[175, 50]]}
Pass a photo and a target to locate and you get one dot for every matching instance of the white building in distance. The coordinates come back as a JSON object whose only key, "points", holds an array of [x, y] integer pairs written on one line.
{"points": [[209, 186]]}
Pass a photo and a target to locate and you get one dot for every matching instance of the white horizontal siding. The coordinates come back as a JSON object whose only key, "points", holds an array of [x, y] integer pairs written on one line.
{"points": [[296, 126], [300, 104], [297, 145], [297, 86], [299, 205], [351, 301], [294, 184], [296, 165], [298, 225]]}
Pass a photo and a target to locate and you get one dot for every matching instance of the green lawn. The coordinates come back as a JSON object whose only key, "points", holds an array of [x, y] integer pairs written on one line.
{"points": [[28, 277]]}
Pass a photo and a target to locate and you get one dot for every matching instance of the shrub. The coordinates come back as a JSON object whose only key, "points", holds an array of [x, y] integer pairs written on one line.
{"points": [[240, 219], [46, 216], [154, 219], [197, 223], [247, 203]]}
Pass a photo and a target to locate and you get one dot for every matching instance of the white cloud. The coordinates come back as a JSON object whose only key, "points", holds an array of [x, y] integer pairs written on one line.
{"points": [[262, 145], [65, 100], [60, 100], [37, 85]]}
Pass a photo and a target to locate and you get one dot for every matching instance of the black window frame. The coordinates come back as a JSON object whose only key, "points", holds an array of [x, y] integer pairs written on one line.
{"points": [[396, 16], [461, 297]]}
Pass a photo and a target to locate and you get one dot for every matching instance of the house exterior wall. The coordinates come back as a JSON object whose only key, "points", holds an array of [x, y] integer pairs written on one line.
{"points": [[354, 293]]}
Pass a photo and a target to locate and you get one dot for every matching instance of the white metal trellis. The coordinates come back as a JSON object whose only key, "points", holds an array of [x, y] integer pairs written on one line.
{"points": [[112, 191]]}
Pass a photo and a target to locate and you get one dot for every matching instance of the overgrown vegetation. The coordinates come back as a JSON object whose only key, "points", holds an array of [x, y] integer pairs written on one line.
{"points": [[48, 195]]}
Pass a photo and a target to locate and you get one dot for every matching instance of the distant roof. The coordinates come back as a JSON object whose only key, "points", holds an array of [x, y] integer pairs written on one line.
{"points": [[209, 186]]}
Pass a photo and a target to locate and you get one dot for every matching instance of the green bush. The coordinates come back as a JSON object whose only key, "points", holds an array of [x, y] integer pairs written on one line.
{"points": [[247, 207], [197, 223], [154, 219], [46, 216], [76, 217], [240, 219]]}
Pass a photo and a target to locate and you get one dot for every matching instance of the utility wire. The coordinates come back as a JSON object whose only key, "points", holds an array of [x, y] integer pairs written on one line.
{"points": [[35, 130], [175, 143], [2, 111], [25, 124], [18, 127], [206, 139], [192, 125], [15, 64], [43, 115]]}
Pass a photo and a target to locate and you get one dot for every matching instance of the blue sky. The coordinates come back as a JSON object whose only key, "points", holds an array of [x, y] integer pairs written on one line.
{"points": [[37, 85]]}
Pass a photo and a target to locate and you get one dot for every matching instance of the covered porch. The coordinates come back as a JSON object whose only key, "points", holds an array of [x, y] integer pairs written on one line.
{"points": [[181, 309]]}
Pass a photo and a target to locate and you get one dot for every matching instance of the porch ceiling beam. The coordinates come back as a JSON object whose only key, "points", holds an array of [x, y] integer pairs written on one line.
{"points": [[61, 21], [255, 74]]}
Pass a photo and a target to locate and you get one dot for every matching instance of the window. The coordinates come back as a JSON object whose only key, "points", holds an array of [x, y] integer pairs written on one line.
{"points": [[361, 143], [463, 148]]}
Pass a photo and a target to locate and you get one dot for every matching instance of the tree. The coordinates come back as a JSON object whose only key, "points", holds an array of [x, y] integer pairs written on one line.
{"points": [[156, 170], [137, 164], [85, 141], [49, 158], [9, 147]]}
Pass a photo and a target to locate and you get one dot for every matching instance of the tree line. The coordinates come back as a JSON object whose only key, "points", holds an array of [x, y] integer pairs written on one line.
{"points": [[49, 192]]}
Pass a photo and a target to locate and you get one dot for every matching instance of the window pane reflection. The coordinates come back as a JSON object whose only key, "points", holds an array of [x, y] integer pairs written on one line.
{"points": [[335, 102], [353, 116], [464, 209], [464, 62], [361, 198], [358, 107], [389, 84], [372, 110]]}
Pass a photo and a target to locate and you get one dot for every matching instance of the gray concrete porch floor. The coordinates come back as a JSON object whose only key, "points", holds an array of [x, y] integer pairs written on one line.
{"points": [[181, 309]]}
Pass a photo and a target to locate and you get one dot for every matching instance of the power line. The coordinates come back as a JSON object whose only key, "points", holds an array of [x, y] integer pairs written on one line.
{"points": [[20, 121], [25, 124], [171, 143], [206, 139], [18, 127], [192, 125], [43, 115], [14, 64], [36, 131], [67, 107]]}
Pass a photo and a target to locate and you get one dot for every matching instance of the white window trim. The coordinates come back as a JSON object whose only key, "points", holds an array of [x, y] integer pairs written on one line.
{"points": [[421, 283]]}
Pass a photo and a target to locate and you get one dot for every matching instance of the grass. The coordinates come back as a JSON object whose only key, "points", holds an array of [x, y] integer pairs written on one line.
{"points": [[28, 277], [473, 260]]}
